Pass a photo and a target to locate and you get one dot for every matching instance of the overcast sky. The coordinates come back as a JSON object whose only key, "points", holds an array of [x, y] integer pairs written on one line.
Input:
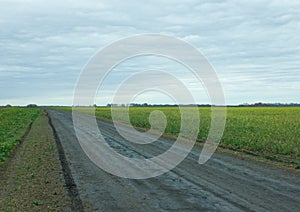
{"points": [[254, 46]]}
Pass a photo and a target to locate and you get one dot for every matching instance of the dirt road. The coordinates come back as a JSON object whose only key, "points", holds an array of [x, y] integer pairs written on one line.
{"points": [[224, 183]]}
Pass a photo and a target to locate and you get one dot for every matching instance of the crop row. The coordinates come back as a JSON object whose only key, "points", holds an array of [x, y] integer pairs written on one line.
{"points": [[13, 124]]}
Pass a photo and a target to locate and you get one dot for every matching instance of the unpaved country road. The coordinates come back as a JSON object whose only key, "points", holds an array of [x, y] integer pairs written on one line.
{"points": [[224, 183]]}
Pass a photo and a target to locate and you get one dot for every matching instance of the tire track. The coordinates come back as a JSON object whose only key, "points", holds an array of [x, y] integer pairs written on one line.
{"points": [[69, 181]]}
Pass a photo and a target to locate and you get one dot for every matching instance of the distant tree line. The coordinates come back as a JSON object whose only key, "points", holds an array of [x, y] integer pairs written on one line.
{"points": [[261, 104], [258, 104], [8, 106]]}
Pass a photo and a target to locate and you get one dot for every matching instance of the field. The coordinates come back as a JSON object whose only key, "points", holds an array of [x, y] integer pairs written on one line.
{"points": [[273, 132], [34, 175], [13, 124], [268, 131]]}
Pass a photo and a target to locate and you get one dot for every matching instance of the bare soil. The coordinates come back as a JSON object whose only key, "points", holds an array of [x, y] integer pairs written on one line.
{"points": [[32, 179]]}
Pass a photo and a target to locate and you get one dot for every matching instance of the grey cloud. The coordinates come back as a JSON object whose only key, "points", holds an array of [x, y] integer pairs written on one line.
{"points": [[46, 44]]}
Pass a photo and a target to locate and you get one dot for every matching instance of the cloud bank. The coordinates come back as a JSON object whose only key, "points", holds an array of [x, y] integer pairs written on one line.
{"points": [[253, 46]]}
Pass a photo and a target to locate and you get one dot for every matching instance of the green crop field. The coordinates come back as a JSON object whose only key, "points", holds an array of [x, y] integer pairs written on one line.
{"points": [[273, 132], [13, 124]]}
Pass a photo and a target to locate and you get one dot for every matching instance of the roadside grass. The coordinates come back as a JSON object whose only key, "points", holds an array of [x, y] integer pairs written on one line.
{"points": [[13, 124], [271, 132]]}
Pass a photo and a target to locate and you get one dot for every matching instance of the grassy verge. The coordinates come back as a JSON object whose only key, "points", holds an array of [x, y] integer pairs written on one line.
{"points": [[270, 132]]}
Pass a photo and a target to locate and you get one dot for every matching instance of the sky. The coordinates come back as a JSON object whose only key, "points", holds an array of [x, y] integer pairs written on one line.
{"points": [[254, 47]]}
